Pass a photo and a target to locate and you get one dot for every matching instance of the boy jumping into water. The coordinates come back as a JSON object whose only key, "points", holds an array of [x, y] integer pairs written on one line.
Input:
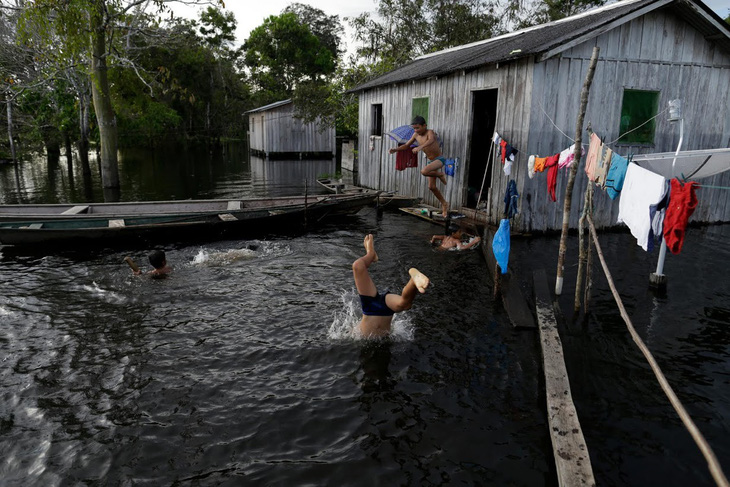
{"points": [[428, 143], [377, 308]]}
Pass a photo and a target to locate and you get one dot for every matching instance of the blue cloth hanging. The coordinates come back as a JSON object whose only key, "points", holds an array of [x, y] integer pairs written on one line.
{"points": [[450, 166], [500, 245], [510, 199]]}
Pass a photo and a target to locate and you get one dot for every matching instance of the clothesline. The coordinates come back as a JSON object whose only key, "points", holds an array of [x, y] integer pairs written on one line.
{"points": [[606, 143]]}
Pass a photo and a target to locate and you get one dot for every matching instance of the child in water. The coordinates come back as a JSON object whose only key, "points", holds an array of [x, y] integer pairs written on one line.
{"points": [[378, 308], [453, 240], [157, 260]]}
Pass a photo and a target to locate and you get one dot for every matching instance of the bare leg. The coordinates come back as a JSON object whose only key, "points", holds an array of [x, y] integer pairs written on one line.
{"points": [[363, 281], [416, 284], [439, 196], [433, 170]]}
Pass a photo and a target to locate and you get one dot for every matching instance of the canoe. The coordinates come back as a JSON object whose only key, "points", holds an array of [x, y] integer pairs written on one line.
{"points": [[147, 228], [385, 198], [10, 213]]}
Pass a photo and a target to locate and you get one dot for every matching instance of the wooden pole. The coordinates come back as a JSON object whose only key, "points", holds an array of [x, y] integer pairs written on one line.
{"points": [[582, 247], [712, 464], [574, 169]]}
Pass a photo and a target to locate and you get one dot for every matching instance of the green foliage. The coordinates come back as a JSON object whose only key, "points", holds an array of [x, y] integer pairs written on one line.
{"points": [[282, 53]]}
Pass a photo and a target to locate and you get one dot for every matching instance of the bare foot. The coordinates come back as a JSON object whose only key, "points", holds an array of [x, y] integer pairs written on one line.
{"points": [[420, 280], [370, 246], [445, 209]]}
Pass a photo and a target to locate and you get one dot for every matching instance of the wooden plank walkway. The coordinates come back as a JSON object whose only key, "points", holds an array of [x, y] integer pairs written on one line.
{"points": [[572, 460]]}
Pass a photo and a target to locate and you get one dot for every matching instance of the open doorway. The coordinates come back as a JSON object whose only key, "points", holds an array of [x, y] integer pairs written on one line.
{"points": [[484, 116]]}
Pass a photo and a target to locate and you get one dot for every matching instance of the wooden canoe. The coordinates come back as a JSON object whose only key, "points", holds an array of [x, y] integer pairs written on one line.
{"points": [[140, 209], [147, 228], [385, 199]]}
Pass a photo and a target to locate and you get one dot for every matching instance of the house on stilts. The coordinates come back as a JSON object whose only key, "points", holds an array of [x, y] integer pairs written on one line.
{"points": [[276, 133], [526, 86]]}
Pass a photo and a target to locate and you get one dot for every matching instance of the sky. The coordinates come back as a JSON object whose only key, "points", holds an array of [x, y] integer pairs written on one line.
{"points": [[251, 13]]}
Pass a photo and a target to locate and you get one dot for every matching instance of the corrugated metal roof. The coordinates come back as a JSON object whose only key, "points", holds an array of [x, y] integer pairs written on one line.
{"points": [[270, 106], [521, 43]]}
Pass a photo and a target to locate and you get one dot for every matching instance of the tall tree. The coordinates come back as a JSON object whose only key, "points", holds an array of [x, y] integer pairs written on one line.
{"points": [[97, 30], [282, 53]]}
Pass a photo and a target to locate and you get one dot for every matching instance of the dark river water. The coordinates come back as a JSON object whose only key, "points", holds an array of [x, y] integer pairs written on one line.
{"points": [[242, 367]]}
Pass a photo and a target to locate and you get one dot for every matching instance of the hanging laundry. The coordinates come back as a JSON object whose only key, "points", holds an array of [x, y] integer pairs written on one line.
{"points": [[603, 166], [503, 150], [567, 156], [510, 199], [682, 204], [592, 157], [501, 245], [615, 176], [656, 219], [641, 189], [540, 164], [552, 178], [450, 166], [405, 159], [531, 166], [496, 139]]}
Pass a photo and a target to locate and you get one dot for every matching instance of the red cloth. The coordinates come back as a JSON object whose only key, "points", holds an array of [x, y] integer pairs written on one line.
{"points": [[405, 159], [503, 145], [552, 177], [682, 203]]}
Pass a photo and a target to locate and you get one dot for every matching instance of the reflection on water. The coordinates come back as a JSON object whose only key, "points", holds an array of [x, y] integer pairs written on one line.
{"points": [[163, 174], [242, 368]]}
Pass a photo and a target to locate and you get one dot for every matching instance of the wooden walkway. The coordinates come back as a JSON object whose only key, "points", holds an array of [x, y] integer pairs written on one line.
{"points": [[572, 461]]}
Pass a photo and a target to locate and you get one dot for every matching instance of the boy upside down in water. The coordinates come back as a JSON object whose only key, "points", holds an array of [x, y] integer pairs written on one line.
{"points": [[378, 308]]}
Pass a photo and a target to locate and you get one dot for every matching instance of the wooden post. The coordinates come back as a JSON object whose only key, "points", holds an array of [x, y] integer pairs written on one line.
{"points": [[574, 170], [584, 246]]}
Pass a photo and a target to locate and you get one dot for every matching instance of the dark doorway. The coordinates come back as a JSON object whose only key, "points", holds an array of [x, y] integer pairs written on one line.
{"points": [[484, 115]]}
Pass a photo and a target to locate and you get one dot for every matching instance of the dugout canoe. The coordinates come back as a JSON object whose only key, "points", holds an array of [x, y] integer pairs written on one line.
{"points": [[385, 198], [139, 209], [175, 226]]}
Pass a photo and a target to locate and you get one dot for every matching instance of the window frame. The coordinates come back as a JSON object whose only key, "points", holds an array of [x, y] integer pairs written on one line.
{"points": [[627, 130], [416, 103], [376, 119]]}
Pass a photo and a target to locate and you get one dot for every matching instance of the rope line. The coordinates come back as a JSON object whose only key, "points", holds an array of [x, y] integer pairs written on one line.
{"points": [[712, 463], [551, 121], [638, 127]]}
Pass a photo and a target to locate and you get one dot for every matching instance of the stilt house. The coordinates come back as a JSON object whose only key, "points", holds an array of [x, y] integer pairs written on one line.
{"points": [[526, 85], [275, 132]]}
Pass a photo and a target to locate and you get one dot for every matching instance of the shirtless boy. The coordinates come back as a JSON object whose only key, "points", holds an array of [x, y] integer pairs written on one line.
{"points": [[157, 259], [453, 240], [378, 308], [428, 144]]}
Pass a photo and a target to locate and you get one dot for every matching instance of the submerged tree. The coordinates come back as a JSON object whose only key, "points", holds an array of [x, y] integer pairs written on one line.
{"points": [[101, 32]]}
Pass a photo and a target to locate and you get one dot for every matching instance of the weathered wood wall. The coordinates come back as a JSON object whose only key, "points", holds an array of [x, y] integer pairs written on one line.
{"points": [[657, 51], [450, 106], [277, 130]]}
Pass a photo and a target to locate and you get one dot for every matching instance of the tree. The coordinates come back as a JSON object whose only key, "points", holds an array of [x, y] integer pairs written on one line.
{"points": [[282, 53], [96, 30]]}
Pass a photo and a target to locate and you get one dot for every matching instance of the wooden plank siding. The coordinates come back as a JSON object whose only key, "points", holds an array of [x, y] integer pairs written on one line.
{"points": [[657, 51], [277, 130]]}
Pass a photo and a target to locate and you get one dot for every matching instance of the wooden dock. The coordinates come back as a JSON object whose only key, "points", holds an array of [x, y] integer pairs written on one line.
{"points": [[572, 460]]}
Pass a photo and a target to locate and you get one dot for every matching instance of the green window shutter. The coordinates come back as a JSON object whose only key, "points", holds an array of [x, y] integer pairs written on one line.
{"points": [[638, 106], [420, 107]]}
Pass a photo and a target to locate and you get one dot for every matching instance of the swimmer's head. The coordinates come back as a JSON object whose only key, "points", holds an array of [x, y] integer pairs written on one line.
{"points": [[454, 229]]}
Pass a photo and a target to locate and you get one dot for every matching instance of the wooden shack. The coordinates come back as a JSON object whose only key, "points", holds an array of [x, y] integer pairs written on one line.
{"points": [[526, 86], [276, 133]]}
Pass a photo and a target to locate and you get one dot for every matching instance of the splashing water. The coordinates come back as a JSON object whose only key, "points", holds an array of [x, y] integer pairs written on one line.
{"points": [[345, 322]]}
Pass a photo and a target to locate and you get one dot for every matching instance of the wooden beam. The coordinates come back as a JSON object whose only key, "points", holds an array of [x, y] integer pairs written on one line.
{"points": [[116, 223], [76, 210], [572, 461], [600, 30]]}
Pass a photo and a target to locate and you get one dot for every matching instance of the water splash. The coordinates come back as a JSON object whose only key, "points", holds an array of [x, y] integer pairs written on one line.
{"points": [[109, 296], [345, 322], [226, 257]]}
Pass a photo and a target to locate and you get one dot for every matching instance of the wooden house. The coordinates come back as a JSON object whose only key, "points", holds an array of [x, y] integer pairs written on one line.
{"points": [[275, 132], [526, 85]]}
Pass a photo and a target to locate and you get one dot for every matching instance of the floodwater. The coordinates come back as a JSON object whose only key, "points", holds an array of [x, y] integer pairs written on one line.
{"points": [[243, 368]]}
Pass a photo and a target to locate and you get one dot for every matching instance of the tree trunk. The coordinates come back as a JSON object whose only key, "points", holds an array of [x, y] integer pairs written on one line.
{"points": [[84, 134], [10, 127], [574, 170], [102, 101]]}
